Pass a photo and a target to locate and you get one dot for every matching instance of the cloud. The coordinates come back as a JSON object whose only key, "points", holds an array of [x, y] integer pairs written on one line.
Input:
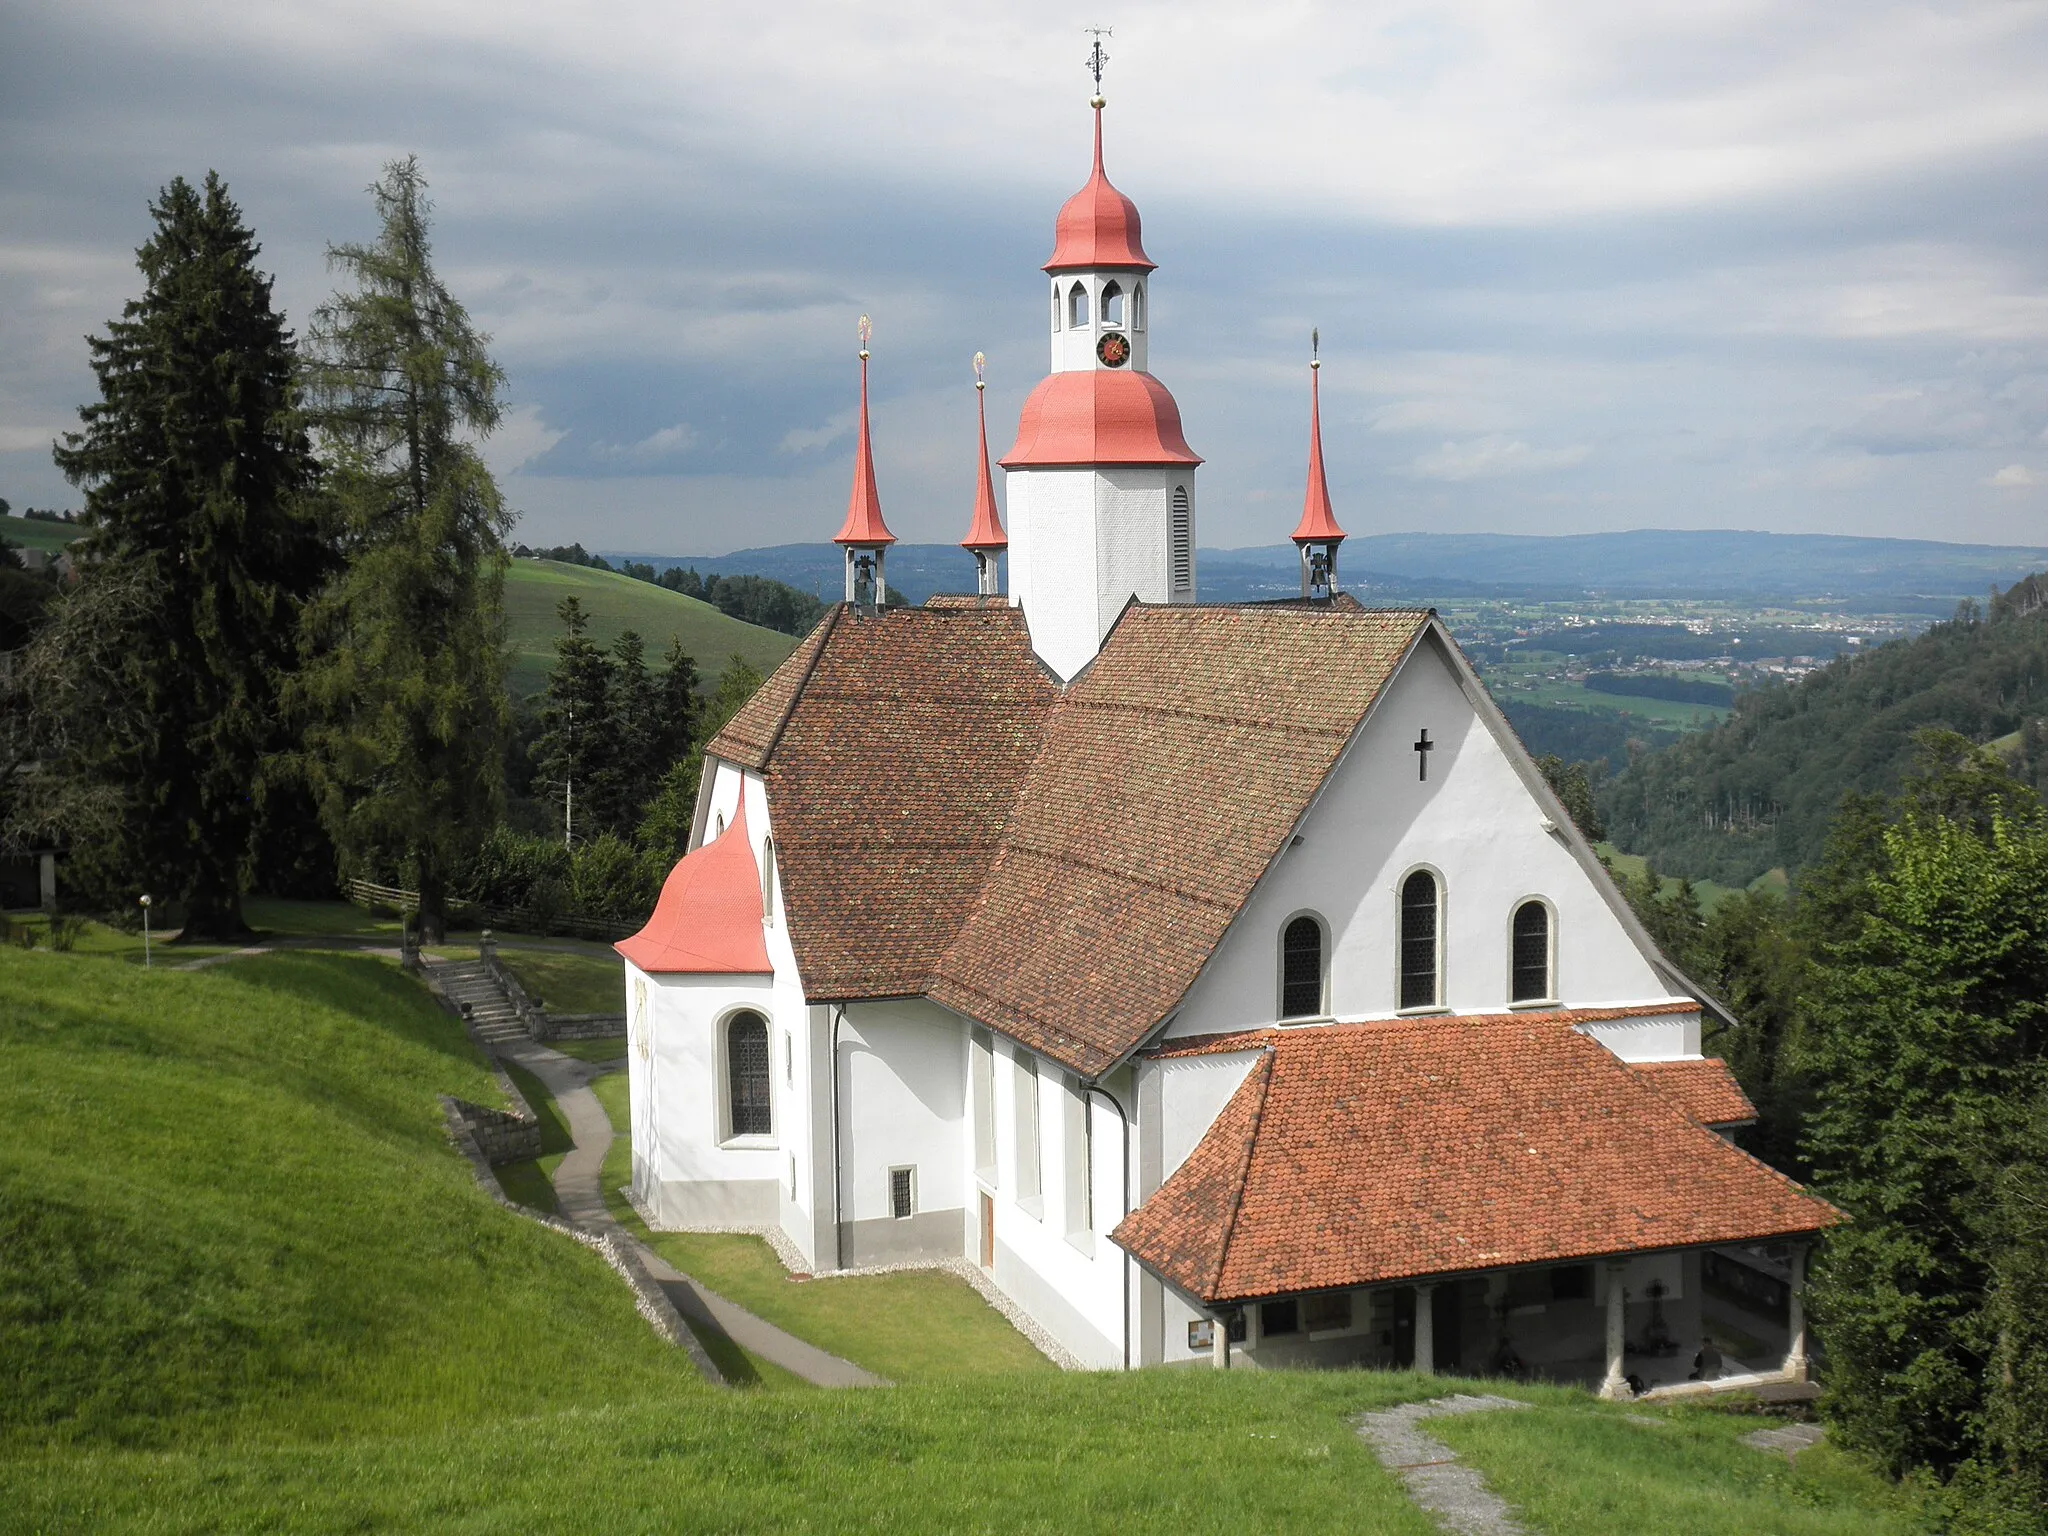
{"points": [[1494, 457], [810, 439], [2013, 477], [521, 438], [668, 446], [1783, 272]]}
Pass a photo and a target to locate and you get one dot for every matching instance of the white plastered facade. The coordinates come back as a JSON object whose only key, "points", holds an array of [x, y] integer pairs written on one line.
{"points": [[909, 1085]]}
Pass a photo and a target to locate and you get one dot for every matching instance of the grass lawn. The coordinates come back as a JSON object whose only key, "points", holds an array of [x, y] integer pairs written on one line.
{"points": [[1596, 1470], [285, 918], [247, 1285], [33, 533], [531, 1181], [568, 981], [534, 589], [918, 1326], [611, 1048], [229, 1210]]}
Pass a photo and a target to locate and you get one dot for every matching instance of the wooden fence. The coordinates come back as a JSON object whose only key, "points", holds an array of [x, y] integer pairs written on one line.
{"points": [[367, 893]]}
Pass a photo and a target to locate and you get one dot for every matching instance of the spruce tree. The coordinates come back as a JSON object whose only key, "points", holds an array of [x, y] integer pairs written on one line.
{"points": [[195, 464], [406, 684], [579, 737]]}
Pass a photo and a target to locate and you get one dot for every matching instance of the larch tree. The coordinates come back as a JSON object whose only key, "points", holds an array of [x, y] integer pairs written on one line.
{"points": [[405, 679], [195, 466]]}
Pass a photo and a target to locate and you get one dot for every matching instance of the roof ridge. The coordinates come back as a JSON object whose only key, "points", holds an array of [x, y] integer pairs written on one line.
{"points": [[1263, 1072], [1272, 723], [830, 625]]}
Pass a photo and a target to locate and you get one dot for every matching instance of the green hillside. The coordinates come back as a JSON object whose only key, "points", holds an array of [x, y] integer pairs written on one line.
{"points": [[27, 533], [1757, 791], [534, 588], [247, 1284]]}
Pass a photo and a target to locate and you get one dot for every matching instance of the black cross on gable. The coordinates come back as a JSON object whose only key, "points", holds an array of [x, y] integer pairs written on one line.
{"points": [[1423, 747]]}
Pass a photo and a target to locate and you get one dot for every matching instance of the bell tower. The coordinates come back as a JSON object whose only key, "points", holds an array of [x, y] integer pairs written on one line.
{"points": [[1101, 480]]}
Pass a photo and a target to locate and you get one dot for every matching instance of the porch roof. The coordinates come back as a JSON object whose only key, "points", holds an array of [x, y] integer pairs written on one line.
{"points": [[1362, 1154]]}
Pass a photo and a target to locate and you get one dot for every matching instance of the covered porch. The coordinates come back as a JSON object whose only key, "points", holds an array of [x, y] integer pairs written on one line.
{"points": [[1486, 1197], [1623, 1325]]}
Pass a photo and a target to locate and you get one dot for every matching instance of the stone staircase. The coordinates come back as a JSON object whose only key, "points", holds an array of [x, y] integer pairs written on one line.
{"points": [[470, 985]]}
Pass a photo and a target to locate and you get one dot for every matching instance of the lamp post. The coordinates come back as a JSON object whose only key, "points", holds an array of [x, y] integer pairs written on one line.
{"points": [[145, 932]]}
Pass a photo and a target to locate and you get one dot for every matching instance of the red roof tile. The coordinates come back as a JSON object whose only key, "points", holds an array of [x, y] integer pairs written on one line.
{"points": [[1057, 865], [1705, 1089], [708, 919], [1360, 1154]]}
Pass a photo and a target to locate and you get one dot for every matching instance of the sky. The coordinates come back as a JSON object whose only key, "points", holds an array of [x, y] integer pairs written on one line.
{"points": [[1604, 265]]}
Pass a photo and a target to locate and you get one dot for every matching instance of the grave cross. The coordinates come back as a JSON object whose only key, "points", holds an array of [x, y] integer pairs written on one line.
{"points": [[1423, 747]]}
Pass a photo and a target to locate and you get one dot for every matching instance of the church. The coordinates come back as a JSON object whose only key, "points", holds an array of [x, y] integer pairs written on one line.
{"points": [[1222, 980]]}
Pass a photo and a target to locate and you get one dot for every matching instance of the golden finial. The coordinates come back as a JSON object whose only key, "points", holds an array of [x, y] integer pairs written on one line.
{"points": [[1315, 347], [866, 330], [980, 363]]}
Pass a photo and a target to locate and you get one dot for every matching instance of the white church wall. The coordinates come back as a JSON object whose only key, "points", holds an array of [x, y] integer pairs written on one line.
{"points": [[1051, 1257], [1474, 822], [693, 1172], [902, 1105], [1132, 536], [699, 1173], [1649, 1037], [1052, 562]]}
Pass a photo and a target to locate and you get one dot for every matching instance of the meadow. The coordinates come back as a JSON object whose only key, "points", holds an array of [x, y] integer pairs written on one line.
{"points": [[534, 589], [246, 1283]]}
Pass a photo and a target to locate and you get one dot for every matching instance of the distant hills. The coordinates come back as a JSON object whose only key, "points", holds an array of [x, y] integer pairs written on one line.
{"points": [[1758, 791], [535, 588], [1414, 567]]}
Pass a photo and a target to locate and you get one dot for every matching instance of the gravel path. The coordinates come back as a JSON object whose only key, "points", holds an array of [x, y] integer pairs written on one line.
{"points": [[1455, 1495], [579, 1191]]}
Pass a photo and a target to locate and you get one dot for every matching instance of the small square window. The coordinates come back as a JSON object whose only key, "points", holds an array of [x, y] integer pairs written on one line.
{"points": [[1278, 1317], [1320, 1314], [902, 1192]]}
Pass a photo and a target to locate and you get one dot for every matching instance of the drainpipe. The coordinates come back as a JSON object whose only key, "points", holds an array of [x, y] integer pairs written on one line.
{"points": [[838, 1216], [1123, 1120]]}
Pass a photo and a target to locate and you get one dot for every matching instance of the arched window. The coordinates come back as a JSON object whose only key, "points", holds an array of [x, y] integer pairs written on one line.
{"points": [[718, 826], [1421, 950], [746, 1074], [1301, 969], [1077, 306], [1137, 306], [1113, 304], [1530, 962], [1183, 539], [1055, 303], [768, 879]]}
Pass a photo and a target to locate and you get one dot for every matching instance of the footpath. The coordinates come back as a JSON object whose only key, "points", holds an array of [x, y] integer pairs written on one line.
{"points": [[579, 1184]]}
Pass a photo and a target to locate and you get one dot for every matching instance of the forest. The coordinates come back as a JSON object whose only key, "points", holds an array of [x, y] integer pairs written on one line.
{"points": [[1757, 791]]}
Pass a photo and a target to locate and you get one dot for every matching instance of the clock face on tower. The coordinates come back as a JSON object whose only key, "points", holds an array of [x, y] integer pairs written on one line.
{"points": [[1114, 349]]}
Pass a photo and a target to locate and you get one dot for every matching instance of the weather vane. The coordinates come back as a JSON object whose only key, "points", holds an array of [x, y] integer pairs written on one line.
{"points": [[980, 363], [1097, 58], [866, 331], [1315, 347]]}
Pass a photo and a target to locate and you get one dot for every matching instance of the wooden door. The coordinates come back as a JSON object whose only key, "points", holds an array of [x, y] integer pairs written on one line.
{"points": [[988, 1232]]}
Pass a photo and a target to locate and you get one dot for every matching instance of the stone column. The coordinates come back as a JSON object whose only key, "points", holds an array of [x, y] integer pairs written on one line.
{"points": [[1425, 1330], [486, 946], [1797, 1367], [1219, 1342], [1615, 1384]]}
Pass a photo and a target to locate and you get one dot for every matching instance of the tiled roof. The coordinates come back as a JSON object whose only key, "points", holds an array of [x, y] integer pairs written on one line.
{"points": [[1705, 1089], [1359, 1154], [1056, 864], [708, 920], [1264, 1034], [891, 745]]}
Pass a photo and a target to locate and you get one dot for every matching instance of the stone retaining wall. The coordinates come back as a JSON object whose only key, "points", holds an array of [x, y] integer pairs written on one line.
{"points": [[502, 1137], [582, 1026], [649, 1299]]}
